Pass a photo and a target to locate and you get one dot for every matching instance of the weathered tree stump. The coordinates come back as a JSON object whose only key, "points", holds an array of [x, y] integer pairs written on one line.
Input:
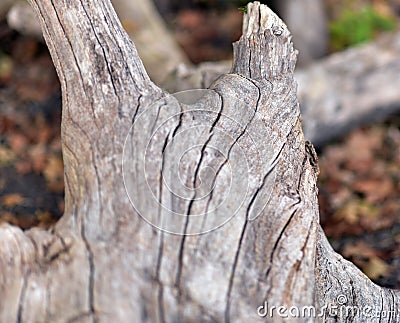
{"points": [[123, 136]]}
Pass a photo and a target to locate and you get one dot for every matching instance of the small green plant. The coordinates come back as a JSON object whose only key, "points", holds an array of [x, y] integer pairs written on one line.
{"points": [[356, 27], [243, 9]]}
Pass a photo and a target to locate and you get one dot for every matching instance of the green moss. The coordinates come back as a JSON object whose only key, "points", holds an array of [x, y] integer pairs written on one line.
{"points": [[356, 27]]}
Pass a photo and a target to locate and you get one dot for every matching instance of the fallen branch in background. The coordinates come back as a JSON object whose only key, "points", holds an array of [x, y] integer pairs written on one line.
{"points": [[155, 44], [337, 94]]}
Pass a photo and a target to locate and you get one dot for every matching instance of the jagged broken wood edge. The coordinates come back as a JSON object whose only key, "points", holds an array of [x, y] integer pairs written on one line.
{"points": [[337, 94]]}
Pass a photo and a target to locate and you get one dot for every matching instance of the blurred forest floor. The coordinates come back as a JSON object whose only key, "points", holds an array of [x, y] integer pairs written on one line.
{"points": [[360, 173]]}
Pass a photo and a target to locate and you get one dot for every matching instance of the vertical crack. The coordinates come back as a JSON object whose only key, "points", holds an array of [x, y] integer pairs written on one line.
{"points": [[99, 191], [179, 122], [239, 247], [382, 307], [91, 273], [233, 272], [392, 311], [182, 244], [137, 110], [160, 295], [264, 180], [291, 276], [23, 295], [105, 59], [233, 144], [279, 238], [75, 59], [249, 64], [156, 119]]}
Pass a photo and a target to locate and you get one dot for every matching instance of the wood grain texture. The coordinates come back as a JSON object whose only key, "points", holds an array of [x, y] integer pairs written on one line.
{"points": [[102, 262]]}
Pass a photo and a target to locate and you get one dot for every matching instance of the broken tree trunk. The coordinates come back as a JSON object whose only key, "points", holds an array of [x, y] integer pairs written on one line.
{"points": [[233, 159]]}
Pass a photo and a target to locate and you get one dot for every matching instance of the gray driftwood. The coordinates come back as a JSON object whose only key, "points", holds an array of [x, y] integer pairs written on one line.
{"points": [[103, 263]]}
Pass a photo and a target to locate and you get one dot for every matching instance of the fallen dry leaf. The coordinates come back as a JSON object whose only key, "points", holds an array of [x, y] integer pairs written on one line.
{"points": [[17, 142], [358, 249], [6, 68], [354, 210], [9, 218], [54, 173], [7, 156], [44, 134], [11, 200], [367, 258], [38, 155], [23, 167], [376, 267], [45, 218], [375, 190]]}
